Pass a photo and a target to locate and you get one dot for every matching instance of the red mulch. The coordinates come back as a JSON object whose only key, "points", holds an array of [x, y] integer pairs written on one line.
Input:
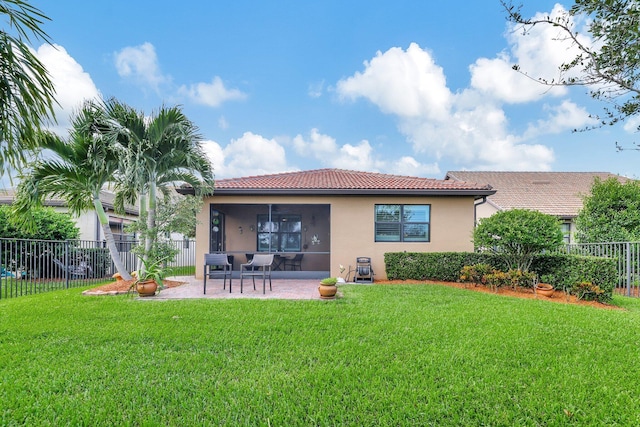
{"points": [[123, 286], [558, 296]]}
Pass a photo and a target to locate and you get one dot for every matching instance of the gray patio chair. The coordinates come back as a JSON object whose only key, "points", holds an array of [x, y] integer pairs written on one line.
{"points": [[294, 263], [223, 268], [260, 265]]}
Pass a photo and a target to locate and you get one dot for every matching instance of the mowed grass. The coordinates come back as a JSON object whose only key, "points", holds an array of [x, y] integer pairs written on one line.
{"points": [[381, 355]]}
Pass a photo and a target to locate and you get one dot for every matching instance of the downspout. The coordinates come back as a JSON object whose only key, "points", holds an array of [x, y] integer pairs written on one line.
{"points": [[475, 210]]}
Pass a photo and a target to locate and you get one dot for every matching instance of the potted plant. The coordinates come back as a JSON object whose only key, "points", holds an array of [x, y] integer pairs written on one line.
{"points": [[543, 288], [328, 288], [150, 278]]}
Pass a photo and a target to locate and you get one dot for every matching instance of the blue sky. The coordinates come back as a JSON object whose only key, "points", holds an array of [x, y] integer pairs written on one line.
{"points": [[405, 87]]}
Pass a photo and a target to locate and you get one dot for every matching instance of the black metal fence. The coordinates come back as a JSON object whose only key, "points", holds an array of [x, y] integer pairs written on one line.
{"points": [[33, 266]]}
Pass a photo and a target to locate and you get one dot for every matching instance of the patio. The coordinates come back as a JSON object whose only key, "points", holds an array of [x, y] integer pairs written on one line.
{"points": [[282, 289]]}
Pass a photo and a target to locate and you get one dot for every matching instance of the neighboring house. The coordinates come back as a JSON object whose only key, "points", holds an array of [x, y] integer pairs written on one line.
{"points": [[555, 193], [332, 216], [87, 222]]}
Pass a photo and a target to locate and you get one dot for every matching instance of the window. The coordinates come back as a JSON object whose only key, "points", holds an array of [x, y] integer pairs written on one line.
{"points": [[283, 232], [402, 223], [566, 232]]}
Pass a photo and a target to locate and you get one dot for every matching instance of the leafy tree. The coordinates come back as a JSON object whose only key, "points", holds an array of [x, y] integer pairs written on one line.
{"points": [[26, 91], [161, 150], [608, 62], [76, 172], [611, 213], [49, 225], [518, 234]]}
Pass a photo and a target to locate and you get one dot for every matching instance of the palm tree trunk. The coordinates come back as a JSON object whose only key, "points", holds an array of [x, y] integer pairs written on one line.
{"points": [[142, 214], [108, 236], [151, 217]]}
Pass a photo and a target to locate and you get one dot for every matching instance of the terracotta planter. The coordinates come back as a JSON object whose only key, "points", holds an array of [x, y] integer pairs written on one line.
{"points": [[146, 288], [327, 291], [544, 289]]}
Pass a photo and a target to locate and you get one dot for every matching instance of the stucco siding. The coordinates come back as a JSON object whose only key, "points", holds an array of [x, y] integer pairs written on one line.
{"points": [[351, 226]]}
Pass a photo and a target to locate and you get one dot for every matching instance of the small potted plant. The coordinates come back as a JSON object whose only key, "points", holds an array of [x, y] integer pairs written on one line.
{"points": [[328, 288], [150, 278], [544, 288]]}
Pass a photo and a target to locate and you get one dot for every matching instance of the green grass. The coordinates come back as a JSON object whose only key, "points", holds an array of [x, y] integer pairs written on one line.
{"points": [[381, 355], [181, 271]]}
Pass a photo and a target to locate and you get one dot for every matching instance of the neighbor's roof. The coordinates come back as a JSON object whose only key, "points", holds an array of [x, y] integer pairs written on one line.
{"points": [[106, 197], [338, 181], [554, 193]]}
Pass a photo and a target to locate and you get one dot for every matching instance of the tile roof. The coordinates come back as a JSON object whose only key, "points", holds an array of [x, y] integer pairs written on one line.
{"points": [[554, 193], [339, 181], [8, 195]]}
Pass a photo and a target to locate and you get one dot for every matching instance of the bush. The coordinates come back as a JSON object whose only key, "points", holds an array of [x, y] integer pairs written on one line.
{"points": [[475, 273], [567, 270], [523, 279], [590, 292], [49, 225], [497, 279]]}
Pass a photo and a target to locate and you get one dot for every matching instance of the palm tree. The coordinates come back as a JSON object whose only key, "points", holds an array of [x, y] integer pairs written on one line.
{"points": [[26, 91], [77, 171], [162, 149]]}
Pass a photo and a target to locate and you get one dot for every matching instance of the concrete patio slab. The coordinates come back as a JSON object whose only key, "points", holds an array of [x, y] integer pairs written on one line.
{"points": [[282, 289]]}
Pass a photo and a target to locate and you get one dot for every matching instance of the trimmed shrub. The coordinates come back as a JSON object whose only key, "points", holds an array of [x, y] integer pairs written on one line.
{"points": [[523, 279], [475, 273], [497, 279], [567, 270]]}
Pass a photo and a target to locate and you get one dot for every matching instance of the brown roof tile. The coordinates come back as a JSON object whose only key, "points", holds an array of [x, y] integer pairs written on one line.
{"points": [[345, 181], [554, 193]]}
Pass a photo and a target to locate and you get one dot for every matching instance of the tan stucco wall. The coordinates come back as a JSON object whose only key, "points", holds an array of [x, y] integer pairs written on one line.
{"points": [[485, 210], [351, 232]]}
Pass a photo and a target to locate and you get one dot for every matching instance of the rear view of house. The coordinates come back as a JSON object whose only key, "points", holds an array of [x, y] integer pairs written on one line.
{"points": [[329, 217]]}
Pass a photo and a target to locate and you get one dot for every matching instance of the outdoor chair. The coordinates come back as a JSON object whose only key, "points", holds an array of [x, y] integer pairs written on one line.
{"points": [[260, 265], [217, 265], [77, 267], [363, 271], [294, 263]]}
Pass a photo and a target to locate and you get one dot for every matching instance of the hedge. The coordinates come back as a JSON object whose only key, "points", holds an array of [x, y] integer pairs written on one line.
{"points": [[566, 270]]}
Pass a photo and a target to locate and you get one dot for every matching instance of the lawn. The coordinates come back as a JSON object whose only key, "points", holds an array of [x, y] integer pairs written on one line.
{"points": [[381, 355]]}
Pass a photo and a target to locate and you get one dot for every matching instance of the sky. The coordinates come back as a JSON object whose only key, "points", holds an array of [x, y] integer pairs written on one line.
{"points": [[407, 87]]}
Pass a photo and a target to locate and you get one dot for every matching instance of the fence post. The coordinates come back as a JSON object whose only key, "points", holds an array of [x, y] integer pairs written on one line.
{"points": [[1, 278], [66, 263], [628, 259]]}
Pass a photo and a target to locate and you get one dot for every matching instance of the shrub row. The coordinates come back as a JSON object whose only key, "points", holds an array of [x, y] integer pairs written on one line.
{"points": [[563, 271]]}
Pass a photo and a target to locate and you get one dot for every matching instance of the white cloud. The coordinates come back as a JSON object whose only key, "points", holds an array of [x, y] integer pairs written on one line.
{"points": [[539, 53], [361, 156], [73, 85], [561, 118], [404, 83], [467, 128], [223, 123], [140, 63], [215, 153], [251, 154], [316, 89], [409, 166], [319, 146], [211, 94]]}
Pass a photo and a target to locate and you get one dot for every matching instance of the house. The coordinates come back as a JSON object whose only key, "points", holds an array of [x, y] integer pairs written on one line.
{"points": [[333, 216], [87, 222], [555, 193]]}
